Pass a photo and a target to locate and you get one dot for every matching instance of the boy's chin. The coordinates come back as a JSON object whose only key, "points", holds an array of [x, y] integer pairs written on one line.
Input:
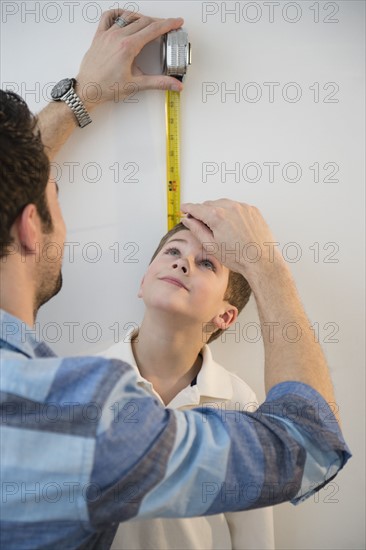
{"points": [[176, 311]]}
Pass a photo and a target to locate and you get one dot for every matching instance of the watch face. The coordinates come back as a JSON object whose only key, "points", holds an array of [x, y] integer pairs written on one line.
{"points": [[61, 88]]}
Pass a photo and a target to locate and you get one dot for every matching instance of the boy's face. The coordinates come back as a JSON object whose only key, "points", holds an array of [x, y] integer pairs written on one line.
{"points": [[183, 279]]}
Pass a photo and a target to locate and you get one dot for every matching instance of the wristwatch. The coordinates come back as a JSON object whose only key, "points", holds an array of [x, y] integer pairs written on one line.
{"points": [[64, 91]]}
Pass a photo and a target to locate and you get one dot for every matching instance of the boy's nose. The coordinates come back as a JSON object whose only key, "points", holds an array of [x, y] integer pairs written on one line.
{"points": [[181, 264]]}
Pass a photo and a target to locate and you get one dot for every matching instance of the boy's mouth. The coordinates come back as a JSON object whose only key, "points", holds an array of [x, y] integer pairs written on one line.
{"points": [[174, 281]]}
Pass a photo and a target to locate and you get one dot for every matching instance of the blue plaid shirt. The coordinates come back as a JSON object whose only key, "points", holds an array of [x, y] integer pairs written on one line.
{"points": [[83, 448]]}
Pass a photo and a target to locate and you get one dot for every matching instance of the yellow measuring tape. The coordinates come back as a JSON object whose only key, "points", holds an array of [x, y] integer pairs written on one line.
{"points": [[172, 113]]}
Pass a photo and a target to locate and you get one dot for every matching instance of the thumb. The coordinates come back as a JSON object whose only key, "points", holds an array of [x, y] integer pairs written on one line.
{"points": [[160, 82]]}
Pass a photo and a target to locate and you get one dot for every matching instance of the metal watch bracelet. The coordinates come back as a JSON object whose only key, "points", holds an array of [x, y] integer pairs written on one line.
{"points": [[75, 104]]}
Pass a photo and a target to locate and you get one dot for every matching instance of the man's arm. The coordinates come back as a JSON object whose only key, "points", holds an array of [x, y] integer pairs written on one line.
{"points": [[223, 226], [297, 356], [109, 65], [56, 123], [113, 453]]}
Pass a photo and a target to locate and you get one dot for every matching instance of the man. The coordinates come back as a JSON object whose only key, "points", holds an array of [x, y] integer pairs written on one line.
{"points": [[83, 446]]}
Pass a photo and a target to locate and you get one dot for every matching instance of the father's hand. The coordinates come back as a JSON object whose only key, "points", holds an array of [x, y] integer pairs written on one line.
{"points": [[108, 68], [236, 234]]}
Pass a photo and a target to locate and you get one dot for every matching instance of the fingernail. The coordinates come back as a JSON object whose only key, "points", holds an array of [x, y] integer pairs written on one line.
{"points": [[175, 88]]}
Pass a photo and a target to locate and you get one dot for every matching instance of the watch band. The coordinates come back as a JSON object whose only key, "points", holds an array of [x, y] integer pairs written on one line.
{"points": [[75, 104]]}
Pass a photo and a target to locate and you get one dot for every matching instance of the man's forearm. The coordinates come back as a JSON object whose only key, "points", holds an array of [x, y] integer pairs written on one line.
{"points": [[291, 352], [56, 123]]}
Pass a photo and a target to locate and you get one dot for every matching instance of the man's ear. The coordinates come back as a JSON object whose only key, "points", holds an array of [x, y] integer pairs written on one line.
{"points": [[140, 292], [227, 318], [28, 228]]}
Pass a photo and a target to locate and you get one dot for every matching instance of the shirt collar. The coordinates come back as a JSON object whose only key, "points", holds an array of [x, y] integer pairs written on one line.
{"points": [[17, 334], [213, 381], [123, 350]]}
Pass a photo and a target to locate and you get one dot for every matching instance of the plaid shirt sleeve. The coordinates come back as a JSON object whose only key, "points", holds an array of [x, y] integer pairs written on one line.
{"points": [[84, 448]]}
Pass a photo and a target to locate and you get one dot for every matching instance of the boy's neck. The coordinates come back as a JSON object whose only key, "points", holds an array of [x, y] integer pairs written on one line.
{"points": [[168, 356]]}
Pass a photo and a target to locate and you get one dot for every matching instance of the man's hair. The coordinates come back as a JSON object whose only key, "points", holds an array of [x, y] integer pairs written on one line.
{"points": [[24, 167], [237, 292]]}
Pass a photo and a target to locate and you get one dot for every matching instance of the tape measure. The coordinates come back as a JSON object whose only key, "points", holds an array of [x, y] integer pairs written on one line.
{"points": [[172, 114], [176, 56]]}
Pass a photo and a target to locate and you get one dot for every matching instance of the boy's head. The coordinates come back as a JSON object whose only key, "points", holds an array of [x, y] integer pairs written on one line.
{"points": [[237, 292]]}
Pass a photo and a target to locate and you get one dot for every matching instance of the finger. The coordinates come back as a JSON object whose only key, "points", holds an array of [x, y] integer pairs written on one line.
{"points": [[108, 18], [207, 213], [159, 82], [133, 27], [156, 29], [199, 230], [136, 24]]}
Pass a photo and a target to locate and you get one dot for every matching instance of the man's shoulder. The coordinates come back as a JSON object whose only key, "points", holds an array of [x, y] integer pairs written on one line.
{"points": [[59, 379]]}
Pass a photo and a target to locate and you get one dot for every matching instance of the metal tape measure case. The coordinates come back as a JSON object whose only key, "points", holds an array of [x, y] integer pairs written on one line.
{"points": [[176, 53]]}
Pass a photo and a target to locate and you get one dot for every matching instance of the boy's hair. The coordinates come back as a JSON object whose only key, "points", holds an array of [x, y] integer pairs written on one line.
{"points": [[237, 292], [24, 166]]}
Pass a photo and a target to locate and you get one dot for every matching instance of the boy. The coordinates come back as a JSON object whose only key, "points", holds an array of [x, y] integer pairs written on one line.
{"points": [[190, 299]]}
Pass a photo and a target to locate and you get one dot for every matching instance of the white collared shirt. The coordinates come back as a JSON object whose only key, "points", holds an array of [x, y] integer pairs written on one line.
{"points": [[253, 529]]}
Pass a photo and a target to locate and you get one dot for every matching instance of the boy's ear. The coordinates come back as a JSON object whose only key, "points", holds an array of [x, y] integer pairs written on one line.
{"points": [[139, 294], [227, 318]]}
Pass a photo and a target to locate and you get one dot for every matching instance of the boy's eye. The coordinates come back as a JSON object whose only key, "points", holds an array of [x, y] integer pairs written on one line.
{"points": [[172, 251], [208, 264]]}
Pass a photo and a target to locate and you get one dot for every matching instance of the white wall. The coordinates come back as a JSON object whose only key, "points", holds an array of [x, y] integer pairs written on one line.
{"points": [[321, 54]]}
